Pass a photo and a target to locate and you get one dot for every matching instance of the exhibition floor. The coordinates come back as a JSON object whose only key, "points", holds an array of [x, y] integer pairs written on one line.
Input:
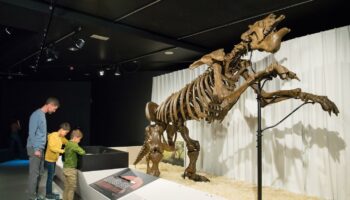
{"points": [[221, 186], [14, 178], [14, 174]]}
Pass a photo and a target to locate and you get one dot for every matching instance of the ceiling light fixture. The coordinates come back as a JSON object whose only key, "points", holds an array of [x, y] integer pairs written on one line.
{"points": [[117, 72], [99, 37], [78, 44], [168, 52], [101, 72], [51, 54], [8, 31]]}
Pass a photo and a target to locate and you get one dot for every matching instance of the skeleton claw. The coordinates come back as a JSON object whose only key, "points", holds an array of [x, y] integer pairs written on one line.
{"points": [[326, 104], [195, 177], [297, 78], [288, 75], [281, 71]]}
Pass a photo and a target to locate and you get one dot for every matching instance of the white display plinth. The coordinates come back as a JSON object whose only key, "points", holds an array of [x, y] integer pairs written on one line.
{"points": [[159, 189]]}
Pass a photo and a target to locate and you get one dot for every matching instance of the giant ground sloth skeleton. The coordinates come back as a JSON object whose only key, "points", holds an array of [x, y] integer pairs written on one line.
{"points": [[211, 95]]}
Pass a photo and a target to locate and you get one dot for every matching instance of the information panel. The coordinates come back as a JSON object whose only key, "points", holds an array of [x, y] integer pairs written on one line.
{"points": [[122, 183]]}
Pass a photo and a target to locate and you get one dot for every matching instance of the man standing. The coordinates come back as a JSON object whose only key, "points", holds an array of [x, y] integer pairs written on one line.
{"points": [[36, 144]]}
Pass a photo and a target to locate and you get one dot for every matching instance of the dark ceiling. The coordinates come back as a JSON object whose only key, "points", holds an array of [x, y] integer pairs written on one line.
{"points": [[140, 32]]}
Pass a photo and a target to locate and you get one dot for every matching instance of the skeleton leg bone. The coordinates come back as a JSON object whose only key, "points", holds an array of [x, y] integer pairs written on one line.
{"points": [[193, 148], [155, 156], [156, 148], [271, 70], [281, 95]]}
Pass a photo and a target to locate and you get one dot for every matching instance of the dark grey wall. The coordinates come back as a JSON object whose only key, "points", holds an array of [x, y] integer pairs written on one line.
{"points": [[20, 99], [118, 109], [110, 111]]}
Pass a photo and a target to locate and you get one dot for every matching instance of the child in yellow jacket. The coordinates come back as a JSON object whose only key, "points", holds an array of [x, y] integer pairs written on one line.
{"points": [[53, 151]]}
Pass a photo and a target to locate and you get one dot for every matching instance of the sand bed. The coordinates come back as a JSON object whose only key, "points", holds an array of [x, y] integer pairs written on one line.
{"points": [[225, 187]]}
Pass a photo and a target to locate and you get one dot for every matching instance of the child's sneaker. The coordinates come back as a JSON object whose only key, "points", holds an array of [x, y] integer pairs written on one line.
{"points": [[53, 196], [57, 195]]}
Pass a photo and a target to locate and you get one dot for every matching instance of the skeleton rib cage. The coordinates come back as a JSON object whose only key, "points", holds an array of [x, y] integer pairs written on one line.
{"points": [[194, 101]]}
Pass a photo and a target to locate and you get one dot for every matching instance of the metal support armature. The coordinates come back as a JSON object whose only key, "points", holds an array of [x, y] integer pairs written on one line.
{"points": [[259, 135]]}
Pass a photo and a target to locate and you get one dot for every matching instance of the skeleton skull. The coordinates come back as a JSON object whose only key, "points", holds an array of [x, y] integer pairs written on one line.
{"points": [[262, 35]]}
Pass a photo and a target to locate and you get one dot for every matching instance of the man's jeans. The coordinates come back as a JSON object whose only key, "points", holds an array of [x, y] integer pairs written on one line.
{"points": [[36, 170], [51, 166]]}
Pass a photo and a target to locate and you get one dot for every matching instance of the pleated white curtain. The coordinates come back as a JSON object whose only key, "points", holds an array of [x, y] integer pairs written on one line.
{"points": [[308, 153]]}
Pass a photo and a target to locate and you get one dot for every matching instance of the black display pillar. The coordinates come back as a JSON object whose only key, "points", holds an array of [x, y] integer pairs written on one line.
{"points": [[259, 137]]}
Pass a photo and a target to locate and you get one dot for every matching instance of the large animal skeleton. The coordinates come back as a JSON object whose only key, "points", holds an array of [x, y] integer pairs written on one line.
{"points": [[215, 92]]}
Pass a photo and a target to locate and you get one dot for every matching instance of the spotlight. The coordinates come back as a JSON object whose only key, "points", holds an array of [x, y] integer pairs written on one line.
{"points": [[168, 52], [78, 44], [117, 72], [101, 72], [48, 55], [51, 54], [8, 31]]}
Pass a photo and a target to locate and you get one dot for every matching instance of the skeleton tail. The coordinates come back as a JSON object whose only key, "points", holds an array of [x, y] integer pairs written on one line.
{"points": [[144, 150]]}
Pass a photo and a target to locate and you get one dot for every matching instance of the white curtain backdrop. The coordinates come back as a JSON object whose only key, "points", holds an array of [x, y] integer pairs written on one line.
{"points": [[308, 153]]}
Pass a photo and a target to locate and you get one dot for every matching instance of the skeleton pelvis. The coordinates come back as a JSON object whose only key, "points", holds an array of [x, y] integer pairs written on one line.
{"points": [[150, 111]]}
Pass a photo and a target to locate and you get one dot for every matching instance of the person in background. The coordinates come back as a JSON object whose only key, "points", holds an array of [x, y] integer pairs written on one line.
{"points": [[53, 150], [71, 152], [16, 147], [36, 144]]}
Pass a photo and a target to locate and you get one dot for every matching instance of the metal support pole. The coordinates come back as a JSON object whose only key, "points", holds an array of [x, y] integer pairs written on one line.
{"points": [[259, 134], [259, 137]]}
